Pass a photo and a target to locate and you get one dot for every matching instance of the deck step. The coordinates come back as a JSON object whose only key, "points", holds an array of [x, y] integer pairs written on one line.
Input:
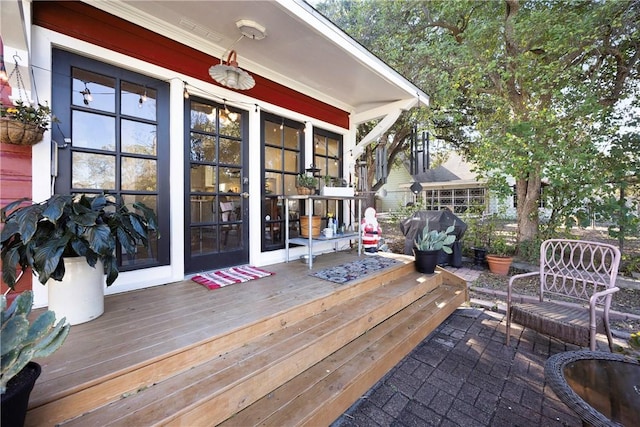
{"points": [[66, 404], [226, 384], [322, 393]]}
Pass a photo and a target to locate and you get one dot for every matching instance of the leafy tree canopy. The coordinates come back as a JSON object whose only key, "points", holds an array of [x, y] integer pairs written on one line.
{"points": [[526, 89]]}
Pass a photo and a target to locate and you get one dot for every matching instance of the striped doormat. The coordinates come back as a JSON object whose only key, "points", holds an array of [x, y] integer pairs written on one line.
{"points": [[229, 276]]}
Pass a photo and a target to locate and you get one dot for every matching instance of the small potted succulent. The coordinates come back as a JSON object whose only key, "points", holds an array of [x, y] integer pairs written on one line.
{"points": [[23, 124], [427, 247], [24, 339]]}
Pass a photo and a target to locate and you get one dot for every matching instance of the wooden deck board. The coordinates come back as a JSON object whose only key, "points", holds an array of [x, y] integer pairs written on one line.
{"points": [[137, 330], [190, 338], [269, 358]]}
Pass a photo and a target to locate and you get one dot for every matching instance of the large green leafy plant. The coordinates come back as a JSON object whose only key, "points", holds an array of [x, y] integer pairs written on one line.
{"points": [[41, 235], [23, 340]]}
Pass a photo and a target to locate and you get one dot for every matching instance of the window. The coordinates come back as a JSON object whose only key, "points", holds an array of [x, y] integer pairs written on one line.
{"points": [[283, 160], [327, 151], [458, 200], [117, 122]]}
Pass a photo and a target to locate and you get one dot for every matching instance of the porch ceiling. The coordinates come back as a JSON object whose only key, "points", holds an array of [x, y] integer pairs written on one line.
{"points": [[302, 50]]}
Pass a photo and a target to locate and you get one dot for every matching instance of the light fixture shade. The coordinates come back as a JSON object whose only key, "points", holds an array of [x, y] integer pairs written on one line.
{"points": [[230, 75]]}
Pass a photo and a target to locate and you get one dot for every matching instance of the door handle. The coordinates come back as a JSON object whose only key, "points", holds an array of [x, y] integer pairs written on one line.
{"points": [[244, 195]]}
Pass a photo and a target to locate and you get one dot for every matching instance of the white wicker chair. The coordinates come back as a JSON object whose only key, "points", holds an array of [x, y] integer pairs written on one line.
{"points": [[571, 271]]}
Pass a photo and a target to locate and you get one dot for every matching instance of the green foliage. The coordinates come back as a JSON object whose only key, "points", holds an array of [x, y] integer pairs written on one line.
{"points": [[406, 211], [525, 89], [304, 180], [41, 234], [25, 113], [432, 240], [22, 340], [500, 247]]}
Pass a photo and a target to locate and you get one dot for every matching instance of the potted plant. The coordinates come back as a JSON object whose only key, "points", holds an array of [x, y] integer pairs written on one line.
{"points": [[428, 244], [23, 124], [23, 340], [72, 234], [500, 256], [306, 184]]}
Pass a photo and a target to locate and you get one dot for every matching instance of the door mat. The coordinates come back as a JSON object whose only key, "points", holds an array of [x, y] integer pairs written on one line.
{"points": [[229, 276], [344, 273]]}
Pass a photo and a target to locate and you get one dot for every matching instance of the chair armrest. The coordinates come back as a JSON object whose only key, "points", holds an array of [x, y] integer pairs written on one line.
{"points": [[596, 295], [519, 276]]}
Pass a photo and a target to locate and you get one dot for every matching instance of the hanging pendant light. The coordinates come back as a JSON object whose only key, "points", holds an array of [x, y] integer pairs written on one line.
{"points": [[230, 75]]}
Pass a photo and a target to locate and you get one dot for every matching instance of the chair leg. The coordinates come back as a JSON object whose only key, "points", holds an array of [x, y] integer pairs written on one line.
{"points": [[508, 331], [607, 329]]}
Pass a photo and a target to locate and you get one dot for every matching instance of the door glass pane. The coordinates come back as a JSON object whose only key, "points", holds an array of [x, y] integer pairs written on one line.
{"points": [[138, 101], [272, 158], [290, 184], [229, 180], [271, 133], [143, 253], [94, 131], [139, 174], [203, 177], [138, 138], [202, 209], [230, 237], [291, 161], [203, 148], [230, 151], [291, 138], [204, 240], [229, 127], [95, 171], [92, 90], [203, 117]]}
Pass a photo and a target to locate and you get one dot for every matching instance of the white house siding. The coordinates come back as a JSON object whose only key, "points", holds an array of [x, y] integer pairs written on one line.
{"points": [[396, 196]]}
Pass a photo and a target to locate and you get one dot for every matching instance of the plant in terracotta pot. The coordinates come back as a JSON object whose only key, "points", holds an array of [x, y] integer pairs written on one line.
{"points": [[306, 184], [428, 244], [24, 124], [500, 256], [67, 232], [23, 339]]}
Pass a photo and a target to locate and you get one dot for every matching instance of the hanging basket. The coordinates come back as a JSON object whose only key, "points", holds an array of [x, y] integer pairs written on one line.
{"points": [[19, 133]]}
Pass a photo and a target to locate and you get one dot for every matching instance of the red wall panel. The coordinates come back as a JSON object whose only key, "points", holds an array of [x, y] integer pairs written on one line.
{"points": [[87, 23], [15, 183]]}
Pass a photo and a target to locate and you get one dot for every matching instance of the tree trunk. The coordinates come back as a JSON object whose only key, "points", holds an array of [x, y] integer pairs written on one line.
{"points": [[528, 193]]}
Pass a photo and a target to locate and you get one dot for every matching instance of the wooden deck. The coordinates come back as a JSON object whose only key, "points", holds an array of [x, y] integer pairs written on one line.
{"points": [[247, 354]]}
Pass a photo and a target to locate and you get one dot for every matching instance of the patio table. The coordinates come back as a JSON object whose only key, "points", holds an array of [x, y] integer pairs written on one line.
{"points": [[603, 389]]}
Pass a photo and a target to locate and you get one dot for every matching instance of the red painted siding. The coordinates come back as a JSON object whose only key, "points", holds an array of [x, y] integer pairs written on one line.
{"points": [[87, 23], [15, 183]]}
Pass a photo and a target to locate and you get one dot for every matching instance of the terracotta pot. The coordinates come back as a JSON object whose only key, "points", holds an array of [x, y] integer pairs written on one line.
{"points": [[305, 191], [426, 261], [499, 264]]}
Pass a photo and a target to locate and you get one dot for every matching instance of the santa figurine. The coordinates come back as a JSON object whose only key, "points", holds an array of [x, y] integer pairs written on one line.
{"points": [[371, 232]]}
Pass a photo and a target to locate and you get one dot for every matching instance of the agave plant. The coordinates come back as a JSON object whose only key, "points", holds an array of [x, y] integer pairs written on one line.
{"points": [[432, 240], [22, 340]]}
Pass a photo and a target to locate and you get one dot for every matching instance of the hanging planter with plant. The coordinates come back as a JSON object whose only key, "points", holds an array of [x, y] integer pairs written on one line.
{"points": [[23, 123]]}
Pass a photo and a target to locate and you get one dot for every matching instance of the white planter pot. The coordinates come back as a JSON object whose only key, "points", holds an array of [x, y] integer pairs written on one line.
{"points": [[337, 191], [80, 295]]}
